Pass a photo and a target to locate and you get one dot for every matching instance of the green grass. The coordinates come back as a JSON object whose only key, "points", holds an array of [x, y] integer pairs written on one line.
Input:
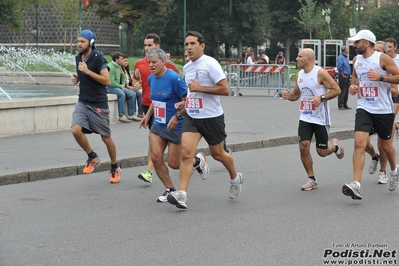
{"points": [[57, 62]]}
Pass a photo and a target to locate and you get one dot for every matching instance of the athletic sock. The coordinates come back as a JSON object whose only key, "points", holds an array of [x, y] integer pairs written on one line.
{"points": [[394, 172], [92, 154], [114, 166]]}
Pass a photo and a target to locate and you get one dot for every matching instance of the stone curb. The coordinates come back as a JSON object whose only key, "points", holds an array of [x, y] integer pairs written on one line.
{"points": [[142, 160]]}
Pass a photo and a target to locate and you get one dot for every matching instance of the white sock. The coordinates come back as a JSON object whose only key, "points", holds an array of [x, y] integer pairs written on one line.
{"points": [[358, 184], [394, 172], [184, 193], [235, 180]]}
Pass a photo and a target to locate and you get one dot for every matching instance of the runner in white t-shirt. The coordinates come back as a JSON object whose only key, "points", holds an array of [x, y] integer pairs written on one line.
{"points": [[205, 117]]}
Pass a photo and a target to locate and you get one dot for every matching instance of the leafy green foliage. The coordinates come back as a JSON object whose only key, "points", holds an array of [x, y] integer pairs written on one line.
{"points": [[308, 16], [384, 24], [11, 12]]}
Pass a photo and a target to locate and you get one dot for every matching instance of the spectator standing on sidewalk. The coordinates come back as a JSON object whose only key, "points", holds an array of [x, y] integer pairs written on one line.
{"points": [[280, 60], [344, 75], [315, 88], [91, 112]]}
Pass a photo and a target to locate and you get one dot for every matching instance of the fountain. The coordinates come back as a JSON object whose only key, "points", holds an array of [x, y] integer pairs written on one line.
{"points": [[19, 64], [25, 106]]}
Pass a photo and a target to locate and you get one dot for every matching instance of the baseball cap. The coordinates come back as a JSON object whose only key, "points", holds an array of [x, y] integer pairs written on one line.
{"points": [[363, 35], [88, 34]]}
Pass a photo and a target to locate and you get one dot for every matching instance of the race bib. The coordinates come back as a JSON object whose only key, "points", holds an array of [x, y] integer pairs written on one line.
{"points": [[194, 104], [159, 111], [306, 106], [369, 92]]}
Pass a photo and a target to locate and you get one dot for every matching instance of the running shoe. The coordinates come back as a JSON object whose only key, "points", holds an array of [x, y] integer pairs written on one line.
{"points": [[311, 184], [382, 177], [352, 190], [177, 198], [235, 188], [202, 168], [115, 175], [146, 176], [90, 163], [393, 181], [164, 196], [373, 164], [340, 152]]}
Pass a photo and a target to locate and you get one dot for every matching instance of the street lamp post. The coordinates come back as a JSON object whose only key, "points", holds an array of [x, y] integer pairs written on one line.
{"points": [[353, 13], [360, 16], [120, 37], [326, 13], [80, 16]]}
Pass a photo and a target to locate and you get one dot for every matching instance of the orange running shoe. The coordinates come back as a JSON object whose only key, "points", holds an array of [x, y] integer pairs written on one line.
{"points": [[90, 163], [115, 175]]}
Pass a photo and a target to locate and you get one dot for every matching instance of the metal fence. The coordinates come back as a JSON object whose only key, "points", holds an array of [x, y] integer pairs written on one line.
{"points": [[268, 77]]}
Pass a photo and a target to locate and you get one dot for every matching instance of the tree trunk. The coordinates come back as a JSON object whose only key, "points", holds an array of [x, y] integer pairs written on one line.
{"points": [[239, 47], [287, 48], [129, 41]]}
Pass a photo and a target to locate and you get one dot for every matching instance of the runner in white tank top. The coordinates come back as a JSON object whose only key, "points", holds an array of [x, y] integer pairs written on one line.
{"points": [[309, 86], [375, 107], [389, 48], [314, 87], [374, 96]]}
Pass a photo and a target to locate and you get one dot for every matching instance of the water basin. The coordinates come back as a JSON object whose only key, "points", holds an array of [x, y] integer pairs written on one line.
{"points": [[21, 91]]}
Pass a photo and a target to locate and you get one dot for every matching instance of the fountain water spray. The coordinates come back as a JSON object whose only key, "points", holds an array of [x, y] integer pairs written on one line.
{"points": [[5, 93]]}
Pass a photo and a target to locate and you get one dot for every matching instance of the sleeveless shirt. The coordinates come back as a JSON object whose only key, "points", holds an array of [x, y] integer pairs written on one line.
{"points": [[309, 86]]}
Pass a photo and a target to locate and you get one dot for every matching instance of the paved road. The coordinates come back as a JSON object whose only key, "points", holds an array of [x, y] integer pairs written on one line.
{"points": [[85, 220], [252, 121]]}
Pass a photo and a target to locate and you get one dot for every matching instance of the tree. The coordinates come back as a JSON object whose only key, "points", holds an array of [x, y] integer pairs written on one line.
{"points": [[68, 11], [11, 12], [308, 16], [282, 14], [132, 13], [384, 24]]}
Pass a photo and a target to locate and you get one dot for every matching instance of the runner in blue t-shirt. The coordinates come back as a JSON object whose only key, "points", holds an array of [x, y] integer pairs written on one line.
{"points": [[167, 89]]}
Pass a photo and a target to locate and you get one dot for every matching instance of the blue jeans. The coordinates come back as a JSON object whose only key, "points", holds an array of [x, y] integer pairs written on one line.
{"points": [[129, 96], [139, 103]]}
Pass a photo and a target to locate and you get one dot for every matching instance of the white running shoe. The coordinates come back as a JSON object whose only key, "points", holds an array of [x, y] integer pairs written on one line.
{"points": [[178, 198], [235, 188], [202, 168], [393, 181], [382, 177], [352, 190], [373, 164], [340, 152], [164, 196]]}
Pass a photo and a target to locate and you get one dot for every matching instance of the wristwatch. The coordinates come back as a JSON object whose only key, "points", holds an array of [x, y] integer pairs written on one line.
{"points": [[381, 78], [323, 98], [179, 116]]}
